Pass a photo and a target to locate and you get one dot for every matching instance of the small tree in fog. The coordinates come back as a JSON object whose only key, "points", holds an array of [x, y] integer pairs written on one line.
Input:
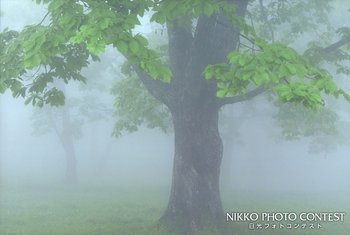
{"points": [[83, 105], [67, 128], [219, 53]]}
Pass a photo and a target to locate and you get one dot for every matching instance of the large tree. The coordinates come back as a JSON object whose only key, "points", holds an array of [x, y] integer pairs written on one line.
{"points": [[215, 57]]}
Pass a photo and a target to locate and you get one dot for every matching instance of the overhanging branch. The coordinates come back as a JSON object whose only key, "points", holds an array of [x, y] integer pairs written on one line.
{"points": [[157, 88], [336, 45], [43, 18], [247, 96]]}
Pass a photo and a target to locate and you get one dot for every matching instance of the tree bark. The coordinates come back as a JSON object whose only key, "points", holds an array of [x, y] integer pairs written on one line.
{"points": [[1, 149], [227, 166], [195, 201]]}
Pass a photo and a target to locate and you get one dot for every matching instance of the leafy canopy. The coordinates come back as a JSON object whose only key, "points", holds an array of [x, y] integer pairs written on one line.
{"points": [[74, 32]]}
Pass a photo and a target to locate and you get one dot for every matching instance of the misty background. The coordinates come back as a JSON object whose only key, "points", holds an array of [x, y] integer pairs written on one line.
{"points": [[260, 159]]}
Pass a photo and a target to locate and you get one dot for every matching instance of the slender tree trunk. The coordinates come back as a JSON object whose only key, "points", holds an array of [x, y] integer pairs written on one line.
{"points": [[70, 176], [195, 201], [66, 138]]}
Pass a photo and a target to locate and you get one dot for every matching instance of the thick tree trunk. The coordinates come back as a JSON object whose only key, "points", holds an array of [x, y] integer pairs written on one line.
{"points": [[227, 164], [1, 148], [195, 201]]}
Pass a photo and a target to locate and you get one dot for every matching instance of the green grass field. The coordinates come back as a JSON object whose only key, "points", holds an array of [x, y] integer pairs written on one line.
{"points": [[106, 210]]}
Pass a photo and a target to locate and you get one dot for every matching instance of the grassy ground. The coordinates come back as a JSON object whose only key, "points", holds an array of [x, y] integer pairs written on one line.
{"points": [[82, 210], [105, 210], [290, 202]]}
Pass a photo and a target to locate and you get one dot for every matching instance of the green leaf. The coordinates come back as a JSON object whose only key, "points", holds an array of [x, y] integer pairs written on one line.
{"points": [[221, 93], [165, 73], [159, 17], [264, 76], [209, 72], [16, 87], [141, 40], [54, 5], [291, 69], [134, 46], [122, 46], [28, 100], [152, 70], [208, 9], [221, 86], [32, 62], [96, 46], [3, 87], [241, 61]]}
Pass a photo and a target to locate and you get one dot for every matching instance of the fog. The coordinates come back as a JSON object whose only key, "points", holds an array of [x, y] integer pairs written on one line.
{"points": [[266, 163], [260, 160]]}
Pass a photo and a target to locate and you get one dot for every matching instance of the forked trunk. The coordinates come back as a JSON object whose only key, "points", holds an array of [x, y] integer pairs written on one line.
{"points": [[195, 203]]}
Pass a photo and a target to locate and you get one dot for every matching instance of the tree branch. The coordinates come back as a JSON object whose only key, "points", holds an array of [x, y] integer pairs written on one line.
{"points": [[331, 48], [157, 88], [247, 96], [43, 18]]}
